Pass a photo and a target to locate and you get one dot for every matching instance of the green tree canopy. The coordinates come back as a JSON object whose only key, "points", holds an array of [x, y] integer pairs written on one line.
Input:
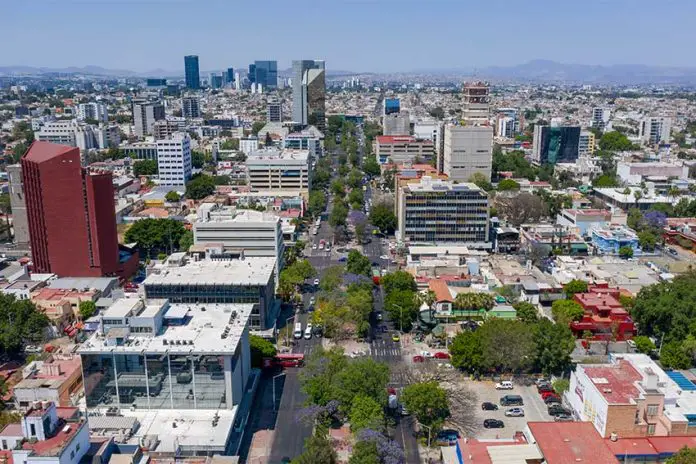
{"points": [[260, 348], [145, 167], [339, 214], [371, 167], [643, 344], [554, 344], [20, 322], [575, 286], [685, 455], [87, 309], [199, 187], [626, 252], [508, 184], [318, 449], [402, 306], [358, 263], [331, 278], [186, 240], [427, 401], [365, 452], [566, 311], [256, 127], [481, 180], [366, 413], [526, 312], [615, 141], [172, 196], [398, 280], [317, 202], [154, 236], [382, 217]]}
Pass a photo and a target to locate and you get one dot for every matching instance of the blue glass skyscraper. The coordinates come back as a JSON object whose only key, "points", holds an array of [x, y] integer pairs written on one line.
{"points": [[193, 78], [266, 73]]}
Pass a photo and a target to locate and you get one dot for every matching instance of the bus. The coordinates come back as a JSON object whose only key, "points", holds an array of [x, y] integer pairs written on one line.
{"points": [[298, 330], [289, 360]]}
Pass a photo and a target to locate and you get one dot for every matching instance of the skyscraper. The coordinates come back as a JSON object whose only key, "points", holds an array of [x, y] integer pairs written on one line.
{"points": [[309, 93], [193, 78], [229, 78], [252, 73], [266, 74], [70, 213], [274, 110], [145, 113], [190, 107]]}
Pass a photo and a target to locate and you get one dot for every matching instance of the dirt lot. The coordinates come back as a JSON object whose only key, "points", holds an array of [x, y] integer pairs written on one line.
{"points": [[534, 408]]}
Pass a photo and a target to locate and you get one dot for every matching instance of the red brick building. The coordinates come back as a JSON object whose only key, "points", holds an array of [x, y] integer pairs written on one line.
{"points": [[604, 314], [71, 215]]}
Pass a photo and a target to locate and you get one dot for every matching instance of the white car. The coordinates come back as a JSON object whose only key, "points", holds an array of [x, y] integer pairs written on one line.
{"points": [[426, 354], [384, 257], [504, 385], [515, 412], [314, 247]]}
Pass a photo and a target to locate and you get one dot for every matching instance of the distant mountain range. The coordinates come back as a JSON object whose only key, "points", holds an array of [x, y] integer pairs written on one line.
{"points": [[538, 71]]}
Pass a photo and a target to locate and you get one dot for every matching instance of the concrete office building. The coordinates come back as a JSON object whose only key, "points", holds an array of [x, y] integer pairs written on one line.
{"points": [[220, 278], [402, 149], [274, 110], [477, 100], [191, 106], [248, 144], [397, 124], [95, 111], [654, 130], [586, 144], [215, 81], [555, 144], [266, 74], [309, 93], [600, 117], [237, 81], [434, 211], [71, 133], [273, 169], [505, 127], [107, 136], [174, 159], [62, 196], [165, 128], [467, 150], [192, 72], [141, 150], [243, 231], [145, 113], [20, 226], [309, 139]]}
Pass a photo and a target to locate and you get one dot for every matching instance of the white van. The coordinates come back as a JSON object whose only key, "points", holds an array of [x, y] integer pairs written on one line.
{"points": [[308, 332], [298, 330]]}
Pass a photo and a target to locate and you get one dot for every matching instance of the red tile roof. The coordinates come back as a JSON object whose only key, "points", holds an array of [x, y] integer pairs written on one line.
{"points": [[477, 450], [441, 290], [570, 442], [649, 445], [615, 382], [43, 151]]}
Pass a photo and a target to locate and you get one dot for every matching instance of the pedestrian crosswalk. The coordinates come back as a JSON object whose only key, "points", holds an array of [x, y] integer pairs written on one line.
{"points": [[385, 350]]}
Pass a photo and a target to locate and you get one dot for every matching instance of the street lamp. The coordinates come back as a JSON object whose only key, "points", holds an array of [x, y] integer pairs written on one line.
{"points": [[274, 395], [287, 330], [429, 430], [401, 317]]}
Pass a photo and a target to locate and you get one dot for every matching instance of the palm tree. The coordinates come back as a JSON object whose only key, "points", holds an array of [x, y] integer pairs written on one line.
{"points": [[428, 297], [673, 192]]}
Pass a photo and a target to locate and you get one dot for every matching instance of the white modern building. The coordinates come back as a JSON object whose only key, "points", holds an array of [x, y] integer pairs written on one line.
{"points": [[95, 111], [191, 106], [635, 173], [70, 133], [248, 144], [250, 232], [309, 138], [273, 169], [396, 124], [600, 117], [654, 130], [467, 150], [145, 113], [174, 159], [140, 150]]}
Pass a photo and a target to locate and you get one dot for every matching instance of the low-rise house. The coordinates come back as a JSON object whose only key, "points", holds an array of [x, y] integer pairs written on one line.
{"points": [[604, 316], [62, 306], [57, 379], [609, 240]]}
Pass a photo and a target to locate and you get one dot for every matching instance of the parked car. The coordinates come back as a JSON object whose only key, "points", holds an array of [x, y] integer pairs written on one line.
{"points": [[552, 399], [441, 355], [504, 385], [380, 316], [447, 437], [515, 412], [544, 387], [546, 394], [418, 359], [396, 338], [493, 424], [426, 354], [488, 406], [558, 410], [511, 400], [563, 418]]}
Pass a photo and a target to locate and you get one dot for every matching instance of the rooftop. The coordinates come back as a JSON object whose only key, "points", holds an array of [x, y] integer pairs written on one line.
{"points": [[273, 154], [99, 283], [615, 382], [442, 291], [43, 151], [648, 446], [388, 139], [428, 184], [568, 442], [55, 445], [247, 271], [209, 328], [59, 294]]}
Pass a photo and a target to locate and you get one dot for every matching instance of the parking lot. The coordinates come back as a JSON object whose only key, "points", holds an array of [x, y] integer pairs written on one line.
{"points": [[534, 408]]}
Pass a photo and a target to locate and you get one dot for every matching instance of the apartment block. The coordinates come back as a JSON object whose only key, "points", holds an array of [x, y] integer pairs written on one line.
{"points": [[145, 113], [586, 144], [94, 111], [654, 130], [396, 124], [467, 150], [174, 159], [442, 212], [273, 169], [403, 149], [191, 106]]}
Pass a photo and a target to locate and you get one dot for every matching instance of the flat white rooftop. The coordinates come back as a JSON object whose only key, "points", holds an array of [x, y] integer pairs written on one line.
{"points": [[201, 334], [248, 271]]}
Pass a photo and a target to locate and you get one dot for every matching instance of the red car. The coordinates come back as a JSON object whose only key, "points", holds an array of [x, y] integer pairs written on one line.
{"points": [[546, 394], [544, 388], [441, 355], [418, 359]]}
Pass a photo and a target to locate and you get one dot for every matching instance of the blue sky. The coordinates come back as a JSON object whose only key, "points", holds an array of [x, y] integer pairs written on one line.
{"points": [[356, 35]]}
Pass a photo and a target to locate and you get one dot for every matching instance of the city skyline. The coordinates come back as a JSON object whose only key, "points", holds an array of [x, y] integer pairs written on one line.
{"points": [[349, 30]]}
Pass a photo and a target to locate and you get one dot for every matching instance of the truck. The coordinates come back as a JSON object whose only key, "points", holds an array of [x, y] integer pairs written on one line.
{"points": [[375, 275]]}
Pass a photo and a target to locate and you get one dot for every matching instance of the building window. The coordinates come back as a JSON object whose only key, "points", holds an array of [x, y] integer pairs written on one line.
{"points": [[652, 409], [651, 429]]}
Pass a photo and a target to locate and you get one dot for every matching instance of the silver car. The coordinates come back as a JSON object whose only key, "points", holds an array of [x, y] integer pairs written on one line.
{"points": [[515, 412]]}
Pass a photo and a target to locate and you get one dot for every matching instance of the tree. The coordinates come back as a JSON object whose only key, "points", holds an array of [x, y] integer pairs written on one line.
{"points": [[260, 348], [427, 401], [318, 449], [673, 356], [398, 280], [197, 159], [366, 413], [317, 202], [332, 278], [521, 208], [20, 322], [561, 386], [172, 196], [230, 144], [318, 376], [438, 112], [382, 217], [268, 142], [566, 311], [145, 168], [356, 198], [481, 180], [402, 306], [466, 351], [615, 141], [87, 309], [200, 187], [358, 263], [626, 252], [256, 127], [474, 301], [647, 240], [605, 181], [526, 312], [575, 286], [685, 455], [154, 236], [186, 240], [507, 345], [339, 213], [371, 167], [644, 344], [554, 344], [365, 452], [508, 184]]}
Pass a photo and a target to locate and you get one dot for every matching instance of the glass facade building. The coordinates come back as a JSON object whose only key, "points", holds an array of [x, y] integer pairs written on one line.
{"points": [[192, 72], [266, 73], [309, 93], [391, 105], [553, 145]]}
